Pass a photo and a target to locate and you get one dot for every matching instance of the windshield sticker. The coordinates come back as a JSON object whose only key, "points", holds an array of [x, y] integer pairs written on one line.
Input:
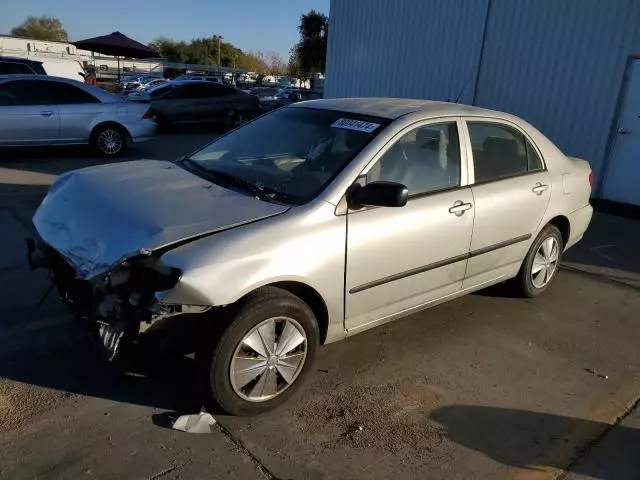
{"points": [[358, 125]]}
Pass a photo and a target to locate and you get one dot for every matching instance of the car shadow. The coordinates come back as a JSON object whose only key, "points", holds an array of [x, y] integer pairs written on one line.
{"points": [[517, 437]]}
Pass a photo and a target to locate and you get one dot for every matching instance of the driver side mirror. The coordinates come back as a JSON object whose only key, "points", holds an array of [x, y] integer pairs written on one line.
{"points": [[297, 97], [378, 194]]}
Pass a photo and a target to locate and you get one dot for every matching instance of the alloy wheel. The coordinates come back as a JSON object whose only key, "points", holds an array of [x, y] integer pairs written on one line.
{"points": [[109, 141], [545, 262], [268, 359]]}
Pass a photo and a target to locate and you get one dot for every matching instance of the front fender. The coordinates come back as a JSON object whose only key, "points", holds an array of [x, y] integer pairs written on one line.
{"points": [[305, 245]]}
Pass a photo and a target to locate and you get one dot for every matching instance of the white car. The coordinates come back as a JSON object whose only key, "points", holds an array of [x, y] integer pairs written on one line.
{"points": [[43, 110]]}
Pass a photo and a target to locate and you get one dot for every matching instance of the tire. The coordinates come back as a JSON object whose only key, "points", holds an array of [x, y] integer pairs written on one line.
{"points": [[272, 379], [529, 281], [110, 140]]}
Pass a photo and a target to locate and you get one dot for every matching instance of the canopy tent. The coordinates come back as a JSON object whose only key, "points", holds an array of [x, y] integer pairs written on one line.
{"points": [[117, 45]]}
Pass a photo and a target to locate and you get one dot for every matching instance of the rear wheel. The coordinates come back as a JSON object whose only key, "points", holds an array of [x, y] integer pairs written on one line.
{"points": [[541, 264], [110, 140], [264, 354]]}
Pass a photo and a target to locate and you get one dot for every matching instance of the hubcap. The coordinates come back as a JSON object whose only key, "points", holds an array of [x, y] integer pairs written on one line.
{"points": [[110, 141], [545, 262], [268, 359]]}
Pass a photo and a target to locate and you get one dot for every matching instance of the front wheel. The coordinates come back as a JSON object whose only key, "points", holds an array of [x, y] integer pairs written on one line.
{"points": [[541, 264], [264, 354]]}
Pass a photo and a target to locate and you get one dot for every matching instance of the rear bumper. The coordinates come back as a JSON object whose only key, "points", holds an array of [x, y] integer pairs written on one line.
{"points": [[141, 131], [578, 223]]}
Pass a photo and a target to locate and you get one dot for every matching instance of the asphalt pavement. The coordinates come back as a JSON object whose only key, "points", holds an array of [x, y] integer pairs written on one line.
{"points": [[486, 386]]}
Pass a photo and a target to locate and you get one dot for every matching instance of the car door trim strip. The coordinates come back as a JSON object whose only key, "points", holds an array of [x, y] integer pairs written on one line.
{"points": [[441, 263]]}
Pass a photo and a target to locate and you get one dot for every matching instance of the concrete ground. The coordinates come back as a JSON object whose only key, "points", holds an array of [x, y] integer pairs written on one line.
{"points": [[486, 386]]}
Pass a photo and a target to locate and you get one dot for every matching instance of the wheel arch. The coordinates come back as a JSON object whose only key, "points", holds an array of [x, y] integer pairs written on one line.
{"points": [[310, 296], [107, 123], [563, 224]]}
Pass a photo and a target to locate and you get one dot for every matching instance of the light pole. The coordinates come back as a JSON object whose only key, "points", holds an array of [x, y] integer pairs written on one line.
{"points": [[219, 38]]}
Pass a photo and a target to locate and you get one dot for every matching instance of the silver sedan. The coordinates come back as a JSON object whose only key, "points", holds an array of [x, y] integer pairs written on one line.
{"points": [[310, 224], [42, 110]]}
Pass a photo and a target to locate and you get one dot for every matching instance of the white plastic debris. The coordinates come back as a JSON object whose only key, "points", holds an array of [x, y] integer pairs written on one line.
{"points": [[198, 423]]}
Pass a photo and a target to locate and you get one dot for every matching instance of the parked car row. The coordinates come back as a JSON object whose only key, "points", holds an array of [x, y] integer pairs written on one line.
{"points": [[44, 110]]}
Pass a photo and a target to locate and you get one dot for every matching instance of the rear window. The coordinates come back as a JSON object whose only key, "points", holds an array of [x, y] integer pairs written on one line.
{"points": [[158, 91]]}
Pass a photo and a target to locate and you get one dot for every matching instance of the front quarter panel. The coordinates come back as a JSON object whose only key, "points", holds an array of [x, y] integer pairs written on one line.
{"points": [[305, 245]]}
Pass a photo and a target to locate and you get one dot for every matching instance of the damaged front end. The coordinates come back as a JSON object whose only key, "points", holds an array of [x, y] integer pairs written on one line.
{"points": [[119, 306]]}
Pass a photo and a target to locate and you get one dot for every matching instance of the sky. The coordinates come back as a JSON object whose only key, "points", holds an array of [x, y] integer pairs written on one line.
{"points": [[265, 25]]}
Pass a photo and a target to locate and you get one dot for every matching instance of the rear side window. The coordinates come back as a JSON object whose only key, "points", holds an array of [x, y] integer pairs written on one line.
{"points": [[500, 151], [65, 94]]}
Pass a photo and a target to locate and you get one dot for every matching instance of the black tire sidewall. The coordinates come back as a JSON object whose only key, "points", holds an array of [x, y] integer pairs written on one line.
{"points": [[267, 303], [528, 288]]}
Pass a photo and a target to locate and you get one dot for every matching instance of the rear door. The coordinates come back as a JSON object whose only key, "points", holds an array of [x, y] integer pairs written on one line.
{"points": [[28, 113], [511, 190], [77, 110], [222, 100]]}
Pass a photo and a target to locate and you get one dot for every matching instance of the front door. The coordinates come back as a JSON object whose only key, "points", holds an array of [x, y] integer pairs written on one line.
{"points": [[511, 190], [26, 114], [401, 258], [622, 182]]}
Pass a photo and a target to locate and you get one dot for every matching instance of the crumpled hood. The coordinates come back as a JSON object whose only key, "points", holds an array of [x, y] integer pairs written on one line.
{"points": [[95, 217]]}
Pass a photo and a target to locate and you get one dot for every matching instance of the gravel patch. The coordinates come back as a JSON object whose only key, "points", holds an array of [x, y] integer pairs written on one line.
{"points": [[392, 418]]}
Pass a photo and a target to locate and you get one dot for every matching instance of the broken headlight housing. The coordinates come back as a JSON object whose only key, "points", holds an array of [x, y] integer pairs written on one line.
{"points": [[147, 274]]}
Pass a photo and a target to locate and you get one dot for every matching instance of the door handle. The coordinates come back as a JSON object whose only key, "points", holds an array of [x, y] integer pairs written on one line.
{"points": [[539, 188], [623, 131], [460, 207], [46, 113]]}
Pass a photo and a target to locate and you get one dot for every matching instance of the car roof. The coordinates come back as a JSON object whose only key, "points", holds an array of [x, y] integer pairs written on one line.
{"points": [[18, 59], [393, 108]]}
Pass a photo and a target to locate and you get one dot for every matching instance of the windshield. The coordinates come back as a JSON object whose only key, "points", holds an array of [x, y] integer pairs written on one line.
{"points": [[292, 153]]}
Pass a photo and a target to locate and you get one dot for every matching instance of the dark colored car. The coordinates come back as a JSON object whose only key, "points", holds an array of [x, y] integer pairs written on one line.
{"points": [[288, 96], [262, 92], [15, 65], [195, 101]]}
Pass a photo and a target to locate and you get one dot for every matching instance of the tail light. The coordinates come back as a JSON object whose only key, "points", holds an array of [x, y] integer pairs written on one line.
{"points": [[591, 179], [148, 115]]}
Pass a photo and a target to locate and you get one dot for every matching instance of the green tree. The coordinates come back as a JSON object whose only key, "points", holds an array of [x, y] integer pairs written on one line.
{"points": [[204, 51], [293, 67], [41, 28], [311, 50]]}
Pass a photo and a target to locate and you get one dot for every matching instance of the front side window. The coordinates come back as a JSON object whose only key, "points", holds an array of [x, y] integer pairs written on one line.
{"points": [[26, 92], [426, 159], [500, 151], [289, 155]]}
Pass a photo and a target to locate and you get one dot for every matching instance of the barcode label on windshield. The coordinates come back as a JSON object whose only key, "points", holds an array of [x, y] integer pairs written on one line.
{"points": [[357, 125]]}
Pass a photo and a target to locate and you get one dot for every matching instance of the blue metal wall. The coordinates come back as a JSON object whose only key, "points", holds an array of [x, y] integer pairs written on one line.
{"points": [[559, 64], [404, 48]]}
